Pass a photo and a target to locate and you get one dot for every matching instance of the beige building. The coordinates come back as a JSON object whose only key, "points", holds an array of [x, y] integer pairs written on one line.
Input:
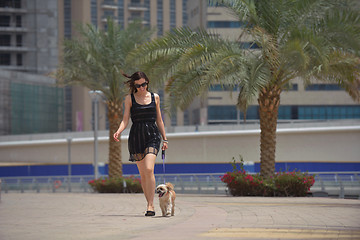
{"points": [[162, 14], [312, 102]]}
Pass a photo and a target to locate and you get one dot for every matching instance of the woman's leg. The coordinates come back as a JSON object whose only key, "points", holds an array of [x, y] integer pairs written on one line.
{"points": [[146, 170]]}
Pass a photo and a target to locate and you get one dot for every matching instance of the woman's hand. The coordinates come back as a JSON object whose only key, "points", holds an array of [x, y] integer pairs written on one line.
{"points": [[164, 146], [116, 136]]}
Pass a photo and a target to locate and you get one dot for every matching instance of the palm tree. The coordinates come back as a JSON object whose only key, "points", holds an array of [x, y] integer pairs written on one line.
{"points": [[95, 60], [317, 40]]}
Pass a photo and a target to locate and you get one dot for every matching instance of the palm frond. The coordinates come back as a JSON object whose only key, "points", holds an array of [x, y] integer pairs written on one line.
{"points": [[96, 58], [343, 69], [243, 10], [341, 27], [255, 77], [296, 39], [181, 48]]}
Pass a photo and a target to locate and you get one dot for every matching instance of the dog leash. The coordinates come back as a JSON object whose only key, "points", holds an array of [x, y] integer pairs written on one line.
{"points": [[163, 158]]}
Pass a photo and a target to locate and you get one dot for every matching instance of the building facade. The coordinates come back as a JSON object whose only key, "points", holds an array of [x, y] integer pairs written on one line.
{"points": [[162, 14], [31, 37], [317, 101], [29, 100], [28, 35]]}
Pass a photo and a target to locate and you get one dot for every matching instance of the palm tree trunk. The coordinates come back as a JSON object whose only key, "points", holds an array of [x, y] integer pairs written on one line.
{"points": [[269, 100], [115, 112]]}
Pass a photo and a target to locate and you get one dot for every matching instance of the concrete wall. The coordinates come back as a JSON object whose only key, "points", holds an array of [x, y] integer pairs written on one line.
{"points": [[322, 144]]}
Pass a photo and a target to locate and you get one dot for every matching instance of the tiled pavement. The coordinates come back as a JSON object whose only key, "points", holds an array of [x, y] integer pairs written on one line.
{"points": [[30, 216]]}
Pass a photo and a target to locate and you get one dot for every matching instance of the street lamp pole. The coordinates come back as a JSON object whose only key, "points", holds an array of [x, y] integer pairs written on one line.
{"points": [[95, 95], [69, 163], [96, 137]]}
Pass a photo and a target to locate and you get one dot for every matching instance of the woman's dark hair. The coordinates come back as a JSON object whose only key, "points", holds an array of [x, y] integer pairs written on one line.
{"points": [[136, 76]]}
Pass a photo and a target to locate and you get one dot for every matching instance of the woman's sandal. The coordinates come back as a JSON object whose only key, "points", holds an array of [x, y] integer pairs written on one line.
{"points": [[150, 213]]}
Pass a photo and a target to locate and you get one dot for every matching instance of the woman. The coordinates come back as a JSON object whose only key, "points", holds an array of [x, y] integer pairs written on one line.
{"points": [[144, 137]]}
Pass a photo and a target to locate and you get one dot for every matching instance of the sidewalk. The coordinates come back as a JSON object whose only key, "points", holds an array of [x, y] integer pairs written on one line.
{"points": [[31, 216]]}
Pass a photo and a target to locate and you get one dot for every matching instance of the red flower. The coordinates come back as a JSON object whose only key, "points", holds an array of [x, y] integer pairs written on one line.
{"points": [[249, 177]]}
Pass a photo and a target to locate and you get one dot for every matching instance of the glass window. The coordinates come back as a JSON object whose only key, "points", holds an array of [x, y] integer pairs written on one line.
{"points": [[5, 40], [249, 45], [4, 21], [212, 4], [10, 3], [67, 19], [18, 21], [291, 87], [323, 87], [108, 13], [68, 108], [5, 59], [229, 112], [147, 13], [251, 113], [121, 12], [19, 59], [94, 12], [355, 112], [19, 40], [328, 112], [172, 14], [160, 13], [186, 118], [222, 113], [109, 2], [285, 112], [224, 24], [136, 15], [36, 109], [173, 115], [184, 13]]}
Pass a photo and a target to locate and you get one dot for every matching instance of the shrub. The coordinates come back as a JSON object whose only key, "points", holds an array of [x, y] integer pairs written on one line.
{"points": [[133, 185], [116, 185], [295, 183], [240, 183]]}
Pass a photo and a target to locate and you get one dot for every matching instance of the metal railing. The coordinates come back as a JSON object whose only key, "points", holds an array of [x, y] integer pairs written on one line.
{"points": [[183, 183], [46, 184], [327, 184], [341, 184]]}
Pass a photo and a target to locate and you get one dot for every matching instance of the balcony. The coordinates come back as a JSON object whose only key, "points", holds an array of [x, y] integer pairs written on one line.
{"points": [[104, 18], [17, 68], [14, 49], [137, 7], [13, 29], [109, 6], [132, 19], [13, 10]]}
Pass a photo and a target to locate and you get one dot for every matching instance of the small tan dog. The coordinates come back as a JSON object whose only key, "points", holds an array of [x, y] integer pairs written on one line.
{"points": [[166, 199]]}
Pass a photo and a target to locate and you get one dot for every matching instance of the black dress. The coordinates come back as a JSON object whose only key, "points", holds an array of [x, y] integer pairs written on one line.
{"points": [[144, 136]]}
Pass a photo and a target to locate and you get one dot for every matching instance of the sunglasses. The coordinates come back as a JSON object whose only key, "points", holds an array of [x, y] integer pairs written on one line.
{"points": [[140, 85]]}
